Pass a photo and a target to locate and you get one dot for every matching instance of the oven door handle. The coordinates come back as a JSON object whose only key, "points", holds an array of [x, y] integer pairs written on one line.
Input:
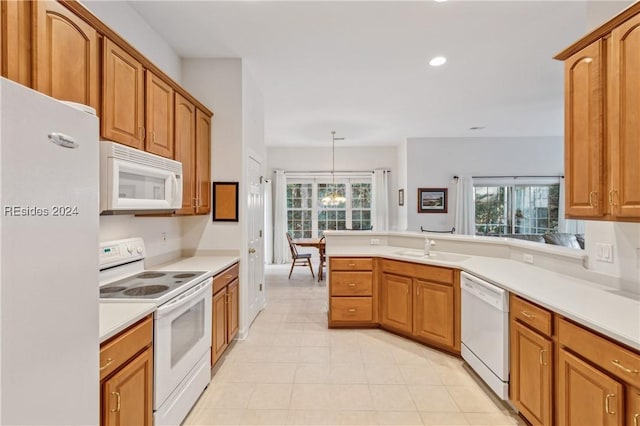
{"points": [[185, 298]]}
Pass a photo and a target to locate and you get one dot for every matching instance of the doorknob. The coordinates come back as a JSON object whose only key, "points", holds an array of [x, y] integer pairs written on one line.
{"points": [[252, 250]]}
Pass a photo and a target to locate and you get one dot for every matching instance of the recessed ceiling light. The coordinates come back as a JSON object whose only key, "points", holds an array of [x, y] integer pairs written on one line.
{"points": [[437, 61], [476, 128]]}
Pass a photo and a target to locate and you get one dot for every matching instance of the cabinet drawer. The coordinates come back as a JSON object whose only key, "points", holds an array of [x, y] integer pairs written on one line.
{"points": [[351, 283], [532, 315], [225, 277], [414, 270], [607, 355], [355, 309], [351, 264], [125, 345]]}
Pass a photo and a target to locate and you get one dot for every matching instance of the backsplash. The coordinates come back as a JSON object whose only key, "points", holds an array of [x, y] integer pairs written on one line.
{"points": [[162, 235]]}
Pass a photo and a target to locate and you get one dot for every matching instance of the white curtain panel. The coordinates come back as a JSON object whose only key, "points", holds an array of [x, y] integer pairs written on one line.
{"points": [[380, 200], [267, 188], [280, 244], [570, 226], [465, 215]]}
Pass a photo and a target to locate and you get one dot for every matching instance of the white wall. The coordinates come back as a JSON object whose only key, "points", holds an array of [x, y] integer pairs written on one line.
{"points": [[218, 84], [347, 159], [432, 163], [402, 176], [625, 238], [252, 115], [121, 17]]}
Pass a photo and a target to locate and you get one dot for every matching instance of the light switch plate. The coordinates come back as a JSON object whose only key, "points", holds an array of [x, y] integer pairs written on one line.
{"points": [[528, 258], [375, 241], [604, 252]]}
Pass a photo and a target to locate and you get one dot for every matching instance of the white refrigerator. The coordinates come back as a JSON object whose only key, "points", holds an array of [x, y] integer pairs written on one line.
{"points": [[48, 261]]}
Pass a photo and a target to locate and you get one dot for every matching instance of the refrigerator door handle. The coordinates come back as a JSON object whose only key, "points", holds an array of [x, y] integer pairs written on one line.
{"points": [[63, 140]]}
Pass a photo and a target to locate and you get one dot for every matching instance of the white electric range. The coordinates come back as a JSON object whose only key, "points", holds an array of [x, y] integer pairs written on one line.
{"points": [[182, 323]]}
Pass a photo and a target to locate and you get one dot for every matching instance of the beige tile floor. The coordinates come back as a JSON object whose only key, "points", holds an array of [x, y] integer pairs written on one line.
{"points": [[293, 370]]}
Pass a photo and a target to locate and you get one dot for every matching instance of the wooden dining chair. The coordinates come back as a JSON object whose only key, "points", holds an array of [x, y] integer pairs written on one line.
{"points": [[298, 259]]}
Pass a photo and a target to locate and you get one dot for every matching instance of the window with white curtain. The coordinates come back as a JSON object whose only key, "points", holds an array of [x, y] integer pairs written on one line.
{"points": [[307, 217], [514, 207]]}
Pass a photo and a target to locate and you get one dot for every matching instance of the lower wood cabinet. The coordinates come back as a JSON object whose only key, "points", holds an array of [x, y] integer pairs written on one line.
{"points": [[353, 292], [531, 380], [586, 396], [433, 312], [397, 311], [226, 310], [633, 407], [126, 377]]}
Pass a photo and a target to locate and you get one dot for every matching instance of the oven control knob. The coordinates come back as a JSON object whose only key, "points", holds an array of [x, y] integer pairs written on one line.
{"points": [[139, 249], [130, 249]]}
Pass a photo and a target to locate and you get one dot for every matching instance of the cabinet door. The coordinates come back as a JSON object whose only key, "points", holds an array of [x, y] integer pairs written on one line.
{"points": [[203, 160], [127, 397], [233, 309], [122, 97], [531, 373], [433, 317], [65, 61], [159, 114], [15, 40], [219, 326], [185, 152], [585, 395], [623, 113], [633, 406], [396, 302], [584, 132]]}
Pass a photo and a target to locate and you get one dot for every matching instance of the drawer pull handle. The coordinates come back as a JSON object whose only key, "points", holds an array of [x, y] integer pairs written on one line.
{"points": [[542, 351], [351, 284], [606, 403], [226, 277], [635, 420], [117, 394], [528, 315], [622, 367], [109, 362], [352, 310], [352, 265]]}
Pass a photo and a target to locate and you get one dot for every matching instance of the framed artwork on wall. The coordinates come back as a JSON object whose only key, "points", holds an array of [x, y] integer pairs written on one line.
{"points": [[224, 202], [432, 200]]}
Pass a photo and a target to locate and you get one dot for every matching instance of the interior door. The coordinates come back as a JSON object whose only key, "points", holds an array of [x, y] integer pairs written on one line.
{"points": [[255, 215]]}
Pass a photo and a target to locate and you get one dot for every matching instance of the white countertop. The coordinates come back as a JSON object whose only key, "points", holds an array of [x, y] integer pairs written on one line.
{"points": [[116, 317], [592, 305]]}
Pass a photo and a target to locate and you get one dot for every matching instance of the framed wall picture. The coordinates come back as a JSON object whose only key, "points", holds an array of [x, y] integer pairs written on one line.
{"points": [[432, 200], [401, 197], [224, 202]]}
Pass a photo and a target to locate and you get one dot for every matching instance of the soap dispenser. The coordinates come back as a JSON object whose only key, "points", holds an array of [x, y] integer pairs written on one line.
{"points": [[427, 246]]}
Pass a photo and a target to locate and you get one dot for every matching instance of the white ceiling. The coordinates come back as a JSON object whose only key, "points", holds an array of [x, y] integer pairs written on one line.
{"points": [[360, 67]]}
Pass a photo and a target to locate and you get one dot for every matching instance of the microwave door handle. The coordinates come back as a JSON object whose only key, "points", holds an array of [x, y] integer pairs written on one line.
{"points": [[174, 187], [184, 299]]}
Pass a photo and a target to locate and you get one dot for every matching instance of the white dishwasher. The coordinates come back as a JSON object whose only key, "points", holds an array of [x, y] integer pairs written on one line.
{"points": [[485, 332]]}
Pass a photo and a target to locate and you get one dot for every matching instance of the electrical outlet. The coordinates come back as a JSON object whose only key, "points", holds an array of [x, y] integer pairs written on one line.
{"points": [[528, 258], [604, 252], [163, 236], [375, 241]]}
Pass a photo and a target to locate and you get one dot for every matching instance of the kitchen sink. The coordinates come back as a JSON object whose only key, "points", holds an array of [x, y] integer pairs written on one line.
{"points": [[435, 255]]}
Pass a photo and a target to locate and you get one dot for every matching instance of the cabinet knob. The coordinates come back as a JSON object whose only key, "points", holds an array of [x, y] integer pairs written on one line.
{"points": [[109, 362], [593, 198], [528, 315], [142, 132], [351, 310], [612, 196], [351, 284], [635, 419], [542, 362]]}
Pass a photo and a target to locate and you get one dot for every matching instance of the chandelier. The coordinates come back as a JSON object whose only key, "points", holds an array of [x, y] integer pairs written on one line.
{"points": [[334, 198]]}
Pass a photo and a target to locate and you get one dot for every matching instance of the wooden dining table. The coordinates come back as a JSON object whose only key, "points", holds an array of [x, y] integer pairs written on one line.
{"points": [[317, 243]]}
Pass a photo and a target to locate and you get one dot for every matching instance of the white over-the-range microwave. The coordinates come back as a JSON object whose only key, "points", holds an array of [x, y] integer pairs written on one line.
{"points": [[133, 181]]}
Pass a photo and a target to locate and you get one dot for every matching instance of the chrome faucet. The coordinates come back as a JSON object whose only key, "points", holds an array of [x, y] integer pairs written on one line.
{"points": [[427, 246]]}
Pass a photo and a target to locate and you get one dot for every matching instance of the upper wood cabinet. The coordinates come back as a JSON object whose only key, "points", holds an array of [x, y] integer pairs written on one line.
{"points": [[122, 117], [584, 132], [602, 121], [203, 162], [159, 116], [15, 40], [624, 120], [65, 55], [185, 151]]}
